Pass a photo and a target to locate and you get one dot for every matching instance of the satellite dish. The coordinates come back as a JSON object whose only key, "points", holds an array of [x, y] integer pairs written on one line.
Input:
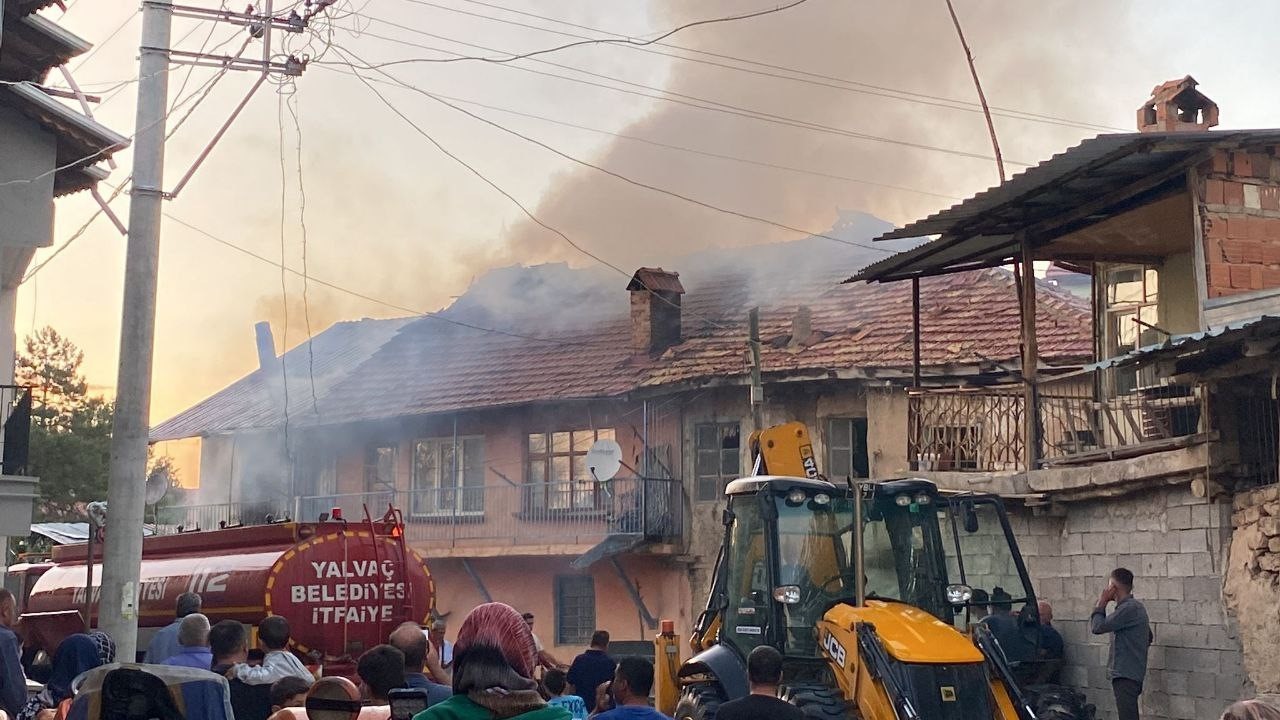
{"points": [[604, 459], [157, 485]]}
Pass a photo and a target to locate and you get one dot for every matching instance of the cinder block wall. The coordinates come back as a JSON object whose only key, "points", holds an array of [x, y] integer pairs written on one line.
{"points": [[1175, 545]]}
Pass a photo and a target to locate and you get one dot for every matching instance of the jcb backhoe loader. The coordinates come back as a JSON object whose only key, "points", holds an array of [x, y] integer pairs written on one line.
{"points": [[868, 589]]}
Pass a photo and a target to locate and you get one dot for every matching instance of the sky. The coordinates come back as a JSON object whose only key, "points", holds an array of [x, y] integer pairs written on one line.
{"points": [[390, 217]]}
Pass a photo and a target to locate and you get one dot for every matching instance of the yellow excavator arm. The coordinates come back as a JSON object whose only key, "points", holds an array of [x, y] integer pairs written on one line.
{"points": [[783, 450]]}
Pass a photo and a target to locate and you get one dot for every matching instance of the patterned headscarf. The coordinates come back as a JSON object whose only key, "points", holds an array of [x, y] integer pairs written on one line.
{"points": [[494, 660], [106, 646]]}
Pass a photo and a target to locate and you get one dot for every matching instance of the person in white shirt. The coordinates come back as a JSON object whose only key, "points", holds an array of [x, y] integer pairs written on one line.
{"points": [[545, 658], [443, 647], [279, 662]]}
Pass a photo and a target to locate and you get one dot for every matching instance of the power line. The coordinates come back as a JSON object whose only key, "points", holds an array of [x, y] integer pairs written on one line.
{"points": [[611, 173], [624, 41], [524, 209], [291, 104], [284, 289], [668, 146], [822, 80], [665, 95], [378, 301]]}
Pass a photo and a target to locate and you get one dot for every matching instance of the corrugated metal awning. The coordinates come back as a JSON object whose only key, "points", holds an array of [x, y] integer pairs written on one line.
{"points": [[1190, 345], [1052, 199]]}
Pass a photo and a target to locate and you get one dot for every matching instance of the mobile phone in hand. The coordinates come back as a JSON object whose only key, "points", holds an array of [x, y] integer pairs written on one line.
{"points": [[407, 702]]}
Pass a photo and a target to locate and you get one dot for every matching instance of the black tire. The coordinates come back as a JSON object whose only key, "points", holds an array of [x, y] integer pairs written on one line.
{"points": [[700, 701], [817, 702]]}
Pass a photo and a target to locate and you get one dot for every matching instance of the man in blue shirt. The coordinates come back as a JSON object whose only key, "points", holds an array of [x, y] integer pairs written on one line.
{"points": [[631, 685], [193, 644], [592, 668], [13, 684], [409, 640], [164, 644]]}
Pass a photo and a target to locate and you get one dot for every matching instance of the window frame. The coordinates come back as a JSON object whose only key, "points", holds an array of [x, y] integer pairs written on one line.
{"points": [[857, 447], [459, 487], [542, 495], [702, 482], [935, 437], [372, 468], [585, 628], [1123, 381]]}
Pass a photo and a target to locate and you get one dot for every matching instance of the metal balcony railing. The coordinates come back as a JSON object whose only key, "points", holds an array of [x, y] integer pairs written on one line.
{"points": [[521, 513], [187, 518]]}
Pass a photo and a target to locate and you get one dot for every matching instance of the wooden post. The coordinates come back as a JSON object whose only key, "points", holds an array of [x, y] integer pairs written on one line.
{"points": [[757, 387], [915, 332], [1030, 360]]}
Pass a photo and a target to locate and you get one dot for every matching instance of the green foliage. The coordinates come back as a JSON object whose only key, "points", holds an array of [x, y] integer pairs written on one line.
{"points": [[70, 429]]}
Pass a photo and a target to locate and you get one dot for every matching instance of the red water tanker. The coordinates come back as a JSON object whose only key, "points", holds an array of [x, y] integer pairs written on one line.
{"points": [[343, 586]]}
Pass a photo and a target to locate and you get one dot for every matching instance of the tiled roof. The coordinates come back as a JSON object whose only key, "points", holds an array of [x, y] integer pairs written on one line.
{"points": [[577, 339], [255, 401]]}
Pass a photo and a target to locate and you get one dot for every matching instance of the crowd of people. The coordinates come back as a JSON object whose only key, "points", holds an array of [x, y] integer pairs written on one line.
{"points": [[497, 669]]}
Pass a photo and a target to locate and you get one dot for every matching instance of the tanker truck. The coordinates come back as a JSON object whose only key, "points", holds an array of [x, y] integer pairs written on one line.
{"points": [[342, 585]]}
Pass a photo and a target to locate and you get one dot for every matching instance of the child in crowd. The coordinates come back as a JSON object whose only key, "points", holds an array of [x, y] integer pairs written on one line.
{"points": [[288, 691], [555, 683], [278, 663]]}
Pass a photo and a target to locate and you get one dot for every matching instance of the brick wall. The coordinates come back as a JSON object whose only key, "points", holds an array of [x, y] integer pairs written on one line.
{"points": [[1173, 542], [1240, 215]]}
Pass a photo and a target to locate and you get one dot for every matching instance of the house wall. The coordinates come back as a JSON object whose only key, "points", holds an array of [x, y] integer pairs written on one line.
{"points": [[1175, 544], [1239, 197], [26, 208], [530, 587], [1253, 572], [242, 467]]}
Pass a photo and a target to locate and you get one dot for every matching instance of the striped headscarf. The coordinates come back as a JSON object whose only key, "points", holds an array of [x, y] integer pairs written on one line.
{"points": [[494, 660]]}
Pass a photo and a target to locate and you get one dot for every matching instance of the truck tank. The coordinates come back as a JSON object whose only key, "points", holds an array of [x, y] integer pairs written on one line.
{"points": [[343, 586]]}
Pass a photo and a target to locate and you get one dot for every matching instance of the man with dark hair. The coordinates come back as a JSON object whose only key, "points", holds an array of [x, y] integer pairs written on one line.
{"points": [[409, 640], [278, 662], [556, 685], [288, 692], [631, 685], [764, 671], [544, 656], [1130, 638], [230, 645], [164, 644], [13, 684], [381, 670], [591, 668]]}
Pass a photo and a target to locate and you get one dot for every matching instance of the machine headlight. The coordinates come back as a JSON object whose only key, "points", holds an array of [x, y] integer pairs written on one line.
{"points": [[795, 497], [787, 594], [903, 500], [821, 499], [959, 594], [923, 499]]}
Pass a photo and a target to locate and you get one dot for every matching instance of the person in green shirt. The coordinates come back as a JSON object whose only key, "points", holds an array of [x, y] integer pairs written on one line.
{"points": [[493, 665]]}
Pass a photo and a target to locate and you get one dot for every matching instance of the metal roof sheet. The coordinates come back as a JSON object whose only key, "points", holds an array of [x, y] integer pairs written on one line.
{"points": [[979, 232], [1190, 344]]}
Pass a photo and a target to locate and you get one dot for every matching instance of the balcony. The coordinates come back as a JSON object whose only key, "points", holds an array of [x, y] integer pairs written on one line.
{"points": [[489, 520], [982, 430]]}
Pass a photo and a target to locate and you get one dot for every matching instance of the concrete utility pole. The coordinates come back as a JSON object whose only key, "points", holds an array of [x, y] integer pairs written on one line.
{"points": [[122, 556], [757, 386], [126, 490]]}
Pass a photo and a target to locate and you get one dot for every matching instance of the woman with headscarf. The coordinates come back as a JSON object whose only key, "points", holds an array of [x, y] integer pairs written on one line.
{"points": [[493, 663], [76, 654]]}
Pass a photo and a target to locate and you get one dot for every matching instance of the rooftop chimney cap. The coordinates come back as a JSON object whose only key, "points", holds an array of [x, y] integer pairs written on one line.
{"points": [[1176, 105], [655, 280]]}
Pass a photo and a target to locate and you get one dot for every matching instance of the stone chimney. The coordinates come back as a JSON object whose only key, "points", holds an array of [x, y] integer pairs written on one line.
{"points": [[801, 327], [655, 311], [1177, 106], [266, 346]]}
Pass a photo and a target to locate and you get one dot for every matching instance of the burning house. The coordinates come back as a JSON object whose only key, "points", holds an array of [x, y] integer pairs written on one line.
{"points": [[477, 421]]}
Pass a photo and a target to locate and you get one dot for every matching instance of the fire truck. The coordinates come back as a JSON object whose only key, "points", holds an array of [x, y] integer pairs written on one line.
{"points": [[343, 585]]}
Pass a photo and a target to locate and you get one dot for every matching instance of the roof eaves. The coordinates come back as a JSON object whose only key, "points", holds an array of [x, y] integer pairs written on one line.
{"points": [[99, 140], [66, 44]]}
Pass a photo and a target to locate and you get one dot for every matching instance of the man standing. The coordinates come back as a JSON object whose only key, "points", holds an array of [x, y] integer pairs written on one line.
{"points": [[410, 641], [444, 648], [631, 685], [193, 643], [229, 644], [545, 658], [164, 644], [764, 671], [1131, 636], [592, 668], [13, 684]]}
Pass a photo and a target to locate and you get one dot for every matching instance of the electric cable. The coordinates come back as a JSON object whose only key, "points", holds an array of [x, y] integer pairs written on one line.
{"points": [[291, 103]]}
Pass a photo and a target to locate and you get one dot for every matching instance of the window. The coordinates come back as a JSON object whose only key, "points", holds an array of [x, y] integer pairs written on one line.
{"points": [[954, 447], [558, 476], [448, 477], [1132, 319], [717, 460], [847, 448], [380, 469], [575, 609], [315, 473]]}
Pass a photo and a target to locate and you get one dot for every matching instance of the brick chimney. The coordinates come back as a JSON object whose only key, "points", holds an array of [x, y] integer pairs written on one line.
{"points": [[1177, 106], [655, 311]]}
